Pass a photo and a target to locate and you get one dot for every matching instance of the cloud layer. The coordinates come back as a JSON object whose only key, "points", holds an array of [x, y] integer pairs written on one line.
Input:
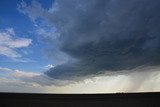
{"points": [[144, 80], [100, 36]]}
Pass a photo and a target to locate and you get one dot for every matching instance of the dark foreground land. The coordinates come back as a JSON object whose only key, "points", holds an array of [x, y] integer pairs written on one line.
{"points": [[80, 100]]}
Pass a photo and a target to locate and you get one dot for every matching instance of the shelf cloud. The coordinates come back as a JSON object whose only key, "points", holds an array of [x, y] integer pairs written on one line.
{"points": [[99, 36]]}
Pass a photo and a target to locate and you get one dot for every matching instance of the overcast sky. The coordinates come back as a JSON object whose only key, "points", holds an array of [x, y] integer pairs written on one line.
{"points": [[79, 46]]}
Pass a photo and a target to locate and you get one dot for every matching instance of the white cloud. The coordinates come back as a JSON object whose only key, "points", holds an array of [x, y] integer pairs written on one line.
{"points": [[8, 44], [8, 52], [10, 31], [49, 66], [19, 73], [5, 69]]}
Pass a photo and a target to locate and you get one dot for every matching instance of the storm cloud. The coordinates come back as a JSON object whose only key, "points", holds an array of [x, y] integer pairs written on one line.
{"points": [[102, 35]]}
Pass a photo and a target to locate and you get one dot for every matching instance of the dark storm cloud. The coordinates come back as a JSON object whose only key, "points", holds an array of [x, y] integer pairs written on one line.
{"points": [[105, 35]]}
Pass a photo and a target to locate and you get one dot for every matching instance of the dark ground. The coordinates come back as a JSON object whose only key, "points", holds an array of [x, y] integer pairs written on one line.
{"points": [[80, 100]]}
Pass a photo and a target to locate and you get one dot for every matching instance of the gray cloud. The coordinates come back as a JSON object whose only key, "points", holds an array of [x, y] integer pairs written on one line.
{"points": [[100, 35], [143, 80]]}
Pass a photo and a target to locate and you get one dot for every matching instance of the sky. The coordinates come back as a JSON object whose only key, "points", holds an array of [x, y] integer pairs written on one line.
{"points": [[79, 46]]}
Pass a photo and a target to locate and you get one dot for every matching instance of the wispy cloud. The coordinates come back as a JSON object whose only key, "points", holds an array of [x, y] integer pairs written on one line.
{"points": [[5, 69], [33, 11], [9, 43]]}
